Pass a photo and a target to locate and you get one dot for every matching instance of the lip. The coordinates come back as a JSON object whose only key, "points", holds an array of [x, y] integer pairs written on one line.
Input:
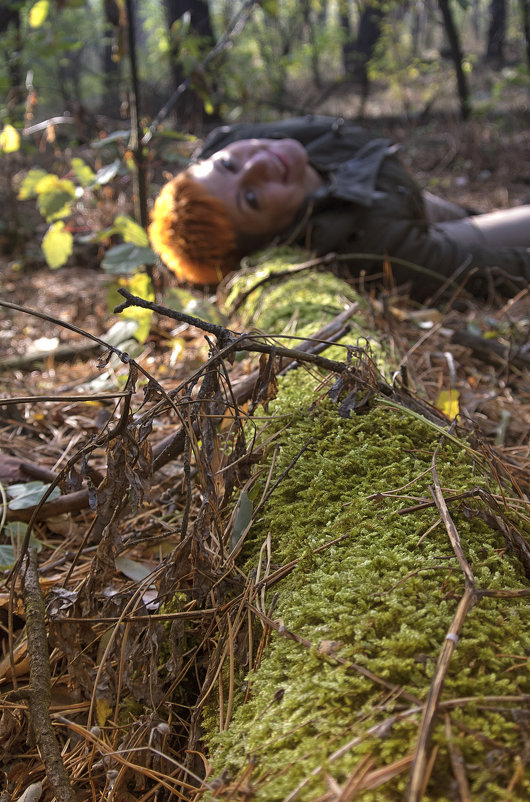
{"points": [[283, 161]]}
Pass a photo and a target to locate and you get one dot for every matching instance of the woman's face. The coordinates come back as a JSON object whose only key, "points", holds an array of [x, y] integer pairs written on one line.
{"points": [[262, 182]]}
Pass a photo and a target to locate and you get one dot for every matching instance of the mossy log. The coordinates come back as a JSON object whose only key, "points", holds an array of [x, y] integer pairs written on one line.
{"points": [[390, 660]]}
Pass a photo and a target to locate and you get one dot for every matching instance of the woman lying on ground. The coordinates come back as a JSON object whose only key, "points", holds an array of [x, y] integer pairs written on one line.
{"points": [[330, 186]]}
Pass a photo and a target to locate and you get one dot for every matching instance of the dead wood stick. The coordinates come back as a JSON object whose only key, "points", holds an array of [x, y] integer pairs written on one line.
{"points": [[61, 353], [421, 764], [421, 757], [492, 351], [39, 696], [72, 502], [457, 763]]}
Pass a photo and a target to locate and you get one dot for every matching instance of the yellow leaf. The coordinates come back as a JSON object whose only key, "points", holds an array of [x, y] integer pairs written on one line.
{"points": [[103, 711], [51, 183], [447, 402], [9, 139], [131, 231], [30, 183], [139, 284], [38, 13], [57, 245]]}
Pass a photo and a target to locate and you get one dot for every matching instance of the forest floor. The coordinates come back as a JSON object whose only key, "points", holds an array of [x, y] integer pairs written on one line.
{"points": [[67, 401], [482, 165]]}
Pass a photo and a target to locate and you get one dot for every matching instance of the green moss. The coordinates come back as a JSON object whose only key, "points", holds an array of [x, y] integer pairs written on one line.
{"points": [[386, 599], [304, 302]]}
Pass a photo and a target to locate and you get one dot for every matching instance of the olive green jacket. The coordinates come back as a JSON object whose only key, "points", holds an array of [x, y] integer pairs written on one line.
{"points": [[371, 205]]}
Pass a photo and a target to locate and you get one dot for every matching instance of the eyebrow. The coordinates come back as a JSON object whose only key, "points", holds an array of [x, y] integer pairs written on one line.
{"points": [[218, 165]]}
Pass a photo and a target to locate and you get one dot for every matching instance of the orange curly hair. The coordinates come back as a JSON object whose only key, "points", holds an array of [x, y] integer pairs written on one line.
{"points": [[192, 233]]}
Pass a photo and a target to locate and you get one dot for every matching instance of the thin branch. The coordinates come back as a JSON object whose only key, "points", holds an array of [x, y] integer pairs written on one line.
{"points": [[457, 763], [420, 766], [421, 757], [228, 339], [40, 686]]}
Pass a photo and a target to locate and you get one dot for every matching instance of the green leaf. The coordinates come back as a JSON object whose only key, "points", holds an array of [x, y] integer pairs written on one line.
{"points": [[270, 7], [54, 196], [84, 174], [28, 187], [131, 231], [57, 245], [38, 13], [7, 557], [167, 133], [50, 183], [9, 139], [28, 494], [54, 205], [126, 258], [245, 508], [14, 532], [132, 569]]}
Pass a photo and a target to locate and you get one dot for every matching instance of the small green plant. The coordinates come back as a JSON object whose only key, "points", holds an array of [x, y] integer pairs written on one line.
{"points": [[59, 198]]}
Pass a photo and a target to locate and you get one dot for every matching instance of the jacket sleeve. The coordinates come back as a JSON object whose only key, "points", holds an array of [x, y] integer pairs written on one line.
{"points": [[396, 227], [479, 267], [434, 257]]}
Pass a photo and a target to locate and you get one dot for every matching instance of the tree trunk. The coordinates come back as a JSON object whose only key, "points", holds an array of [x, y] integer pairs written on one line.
{"points": [[496, 34], [313, 26], [10, 18], [525, 15], [456, 54], [361, 578], [357, 54], [190, 109], [368, 35], [112, 35], [348, 44]]}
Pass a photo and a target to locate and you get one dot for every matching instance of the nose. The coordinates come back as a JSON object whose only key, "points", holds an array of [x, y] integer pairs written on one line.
{"points": [[257, 165]]}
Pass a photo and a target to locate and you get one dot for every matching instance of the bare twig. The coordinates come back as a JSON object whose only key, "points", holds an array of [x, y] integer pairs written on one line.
{"points": [[227, 339], [421, 764], [39, 692], [457, 763]]}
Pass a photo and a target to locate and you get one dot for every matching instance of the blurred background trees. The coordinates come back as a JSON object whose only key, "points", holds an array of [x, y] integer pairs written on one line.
{"points": [[292, 56]]}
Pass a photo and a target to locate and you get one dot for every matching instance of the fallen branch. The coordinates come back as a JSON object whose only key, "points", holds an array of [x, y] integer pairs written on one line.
{"points": [[492, 351], [421, 764], [39, 691]]}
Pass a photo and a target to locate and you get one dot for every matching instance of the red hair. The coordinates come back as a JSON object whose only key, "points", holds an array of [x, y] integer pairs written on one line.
{"points": [[192, 233]]}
